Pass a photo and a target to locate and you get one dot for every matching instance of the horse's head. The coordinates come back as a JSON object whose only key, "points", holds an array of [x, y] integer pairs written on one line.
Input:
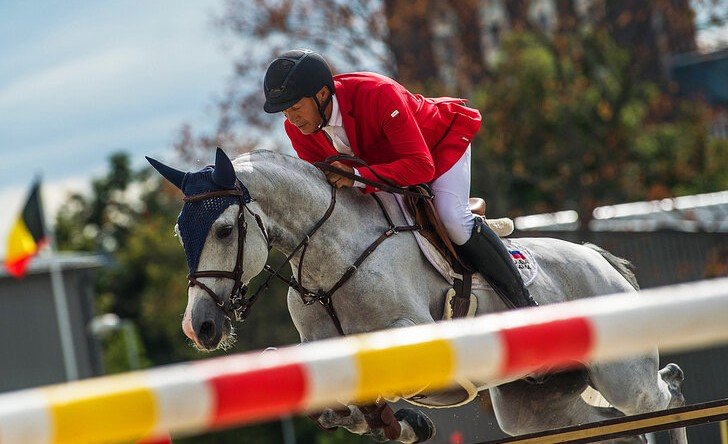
{"points": [[225, 245]]}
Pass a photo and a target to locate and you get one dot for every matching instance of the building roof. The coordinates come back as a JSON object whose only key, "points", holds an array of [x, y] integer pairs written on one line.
{"points": [[703, 74], [697, 213]]}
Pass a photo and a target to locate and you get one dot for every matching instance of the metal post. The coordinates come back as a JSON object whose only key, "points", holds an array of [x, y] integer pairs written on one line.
{"points": [[64, 319], [289, 433], [132, 351], [61, 302]]}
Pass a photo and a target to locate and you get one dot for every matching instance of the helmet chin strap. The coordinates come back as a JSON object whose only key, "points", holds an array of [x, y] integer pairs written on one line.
{"points": [[322, 111]]}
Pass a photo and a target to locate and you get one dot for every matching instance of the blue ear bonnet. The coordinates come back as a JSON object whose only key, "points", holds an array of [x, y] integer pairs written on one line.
{"points": [[196, 218]]}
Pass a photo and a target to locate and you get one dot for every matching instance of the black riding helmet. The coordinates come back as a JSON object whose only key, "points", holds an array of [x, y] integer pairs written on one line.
{"points": [[294, 75]]}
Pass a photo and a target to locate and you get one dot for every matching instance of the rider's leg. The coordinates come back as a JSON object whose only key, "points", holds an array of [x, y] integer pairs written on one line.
{"points": [[474, 241]]}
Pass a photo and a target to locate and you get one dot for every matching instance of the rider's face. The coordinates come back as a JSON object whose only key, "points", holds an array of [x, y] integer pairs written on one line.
{"points": [[304, 114]]}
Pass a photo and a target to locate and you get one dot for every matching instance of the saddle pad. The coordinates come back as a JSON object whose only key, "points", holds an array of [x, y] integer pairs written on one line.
{"points": [[521, 256]]}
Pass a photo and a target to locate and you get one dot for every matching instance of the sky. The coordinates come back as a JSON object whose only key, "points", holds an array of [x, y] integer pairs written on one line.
{"points": [[82, 79]]}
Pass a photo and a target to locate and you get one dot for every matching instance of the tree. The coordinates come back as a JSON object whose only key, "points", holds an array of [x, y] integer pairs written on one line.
{"points": [[102, 215], [568, 126], [349, 33], [652, 31]]}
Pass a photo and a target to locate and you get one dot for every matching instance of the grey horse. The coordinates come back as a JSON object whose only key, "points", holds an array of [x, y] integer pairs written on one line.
{"points": [[396, 286]]}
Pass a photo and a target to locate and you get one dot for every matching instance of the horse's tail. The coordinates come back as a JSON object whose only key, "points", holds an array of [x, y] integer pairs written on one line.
{"points": [[623, 266]]}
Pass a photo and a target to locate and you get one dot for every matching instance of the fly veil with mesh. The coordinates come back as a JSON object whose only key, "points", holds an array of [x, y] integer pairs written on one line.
{"points": [[196, 218]]}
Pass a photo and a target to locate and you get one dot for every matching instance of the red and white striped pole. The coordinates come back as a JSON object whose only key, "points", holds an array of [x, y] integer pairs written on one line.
{"points": [[193, 397]]}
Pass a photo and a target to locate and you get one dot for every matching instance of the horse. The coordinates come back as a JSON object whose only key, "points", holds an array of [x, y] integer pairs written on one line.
{"points": [[236, 211]]}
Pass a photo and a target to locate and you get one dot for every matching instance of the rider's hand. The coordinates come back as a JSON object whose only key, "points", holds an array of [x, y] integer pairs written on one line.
{"points": [[337, 180]]}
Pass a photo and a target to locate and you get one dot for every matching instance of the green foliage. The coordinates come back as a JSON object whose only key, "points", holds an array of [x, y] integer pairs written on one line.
{"points": [[102, 216], [116, 357], [567, 126]]}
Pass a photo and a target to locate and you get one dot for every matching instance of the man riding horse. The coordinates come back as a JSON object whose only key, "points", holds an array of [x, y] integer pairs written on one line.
{"points": [[405, 138]]}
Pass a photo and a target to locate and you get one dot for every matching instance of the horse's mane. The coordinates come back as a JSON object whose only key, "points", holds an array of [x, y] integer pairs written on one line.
{"points": [[278, 169], [269, 157]]}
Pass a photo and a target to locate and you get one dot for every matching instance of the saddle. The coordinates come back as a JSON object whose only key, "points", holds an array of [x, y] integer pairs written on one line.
{"points": [[424, 213], [459, 302]]}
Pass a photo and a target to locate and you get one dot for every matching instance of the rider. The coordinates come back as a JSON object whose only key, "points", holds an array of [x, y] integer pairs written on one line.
{"points": [[406, 139]]}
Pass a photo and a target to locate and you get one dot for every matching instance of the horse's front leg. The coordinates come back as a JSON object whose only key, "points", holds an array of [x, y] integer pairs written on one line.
{"points": [[379, 422]]}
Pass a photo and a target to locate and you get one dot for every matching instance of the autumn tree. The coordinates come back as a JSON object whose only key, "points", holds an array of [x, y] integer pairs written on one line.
{"points": [[352, 35], [569, 127]]}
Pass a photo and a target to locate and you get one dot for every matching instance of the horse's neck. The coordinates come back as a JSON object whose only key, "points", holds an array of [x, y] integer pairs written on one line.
{"points": [[294, 200]]}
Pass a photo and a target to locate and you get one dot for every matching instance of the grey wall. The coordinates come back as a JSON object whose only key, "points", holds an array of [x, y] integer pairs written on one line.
{"points": [[29, 333], [660, 257]]}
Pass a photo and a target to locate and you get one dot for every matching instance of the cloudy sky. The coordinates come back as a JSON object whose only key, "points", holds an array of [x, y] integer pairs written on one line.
{"points": [[80, 79]]}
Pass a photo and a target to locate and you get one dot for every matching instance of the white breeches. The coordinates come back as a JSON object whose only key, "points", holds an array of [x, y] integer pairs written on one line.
{"points": [[452, 194]]}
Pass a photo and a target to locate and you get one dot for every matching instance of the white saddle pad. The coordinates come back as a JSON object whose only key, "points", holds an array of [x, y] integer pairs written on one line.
{"points": [[521, 256]]}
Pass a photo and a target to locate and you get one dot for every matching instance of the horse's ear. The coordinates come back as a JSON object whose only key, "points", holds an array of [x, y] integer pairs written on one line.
{"points": [[176, 177], [224, 173]]}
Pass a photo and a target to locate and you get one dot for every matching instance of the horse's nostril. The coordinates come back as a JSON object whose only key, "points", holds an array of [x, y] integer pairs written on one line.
{"points": [[207, 332]]}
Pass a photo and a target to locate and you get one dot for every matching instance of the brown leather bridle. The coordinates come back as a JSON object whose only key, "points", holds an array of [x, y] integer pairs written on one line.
{"points": [[237, 304]]}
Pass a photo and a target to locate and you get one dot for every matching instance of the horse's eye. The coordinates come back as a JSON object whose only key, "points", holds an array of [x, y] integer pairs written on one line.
{"points": [[224, 231]]}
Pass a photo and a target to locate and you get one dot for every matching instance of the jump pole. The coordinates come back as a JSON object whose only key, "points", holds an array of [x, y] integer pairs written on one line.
{"points": [[216, 393]]}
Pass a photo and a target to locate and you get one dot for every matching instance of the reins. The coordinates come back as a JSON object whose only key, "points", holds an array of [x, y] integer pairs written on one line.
{"points": [[239, 306], [384, 185]]}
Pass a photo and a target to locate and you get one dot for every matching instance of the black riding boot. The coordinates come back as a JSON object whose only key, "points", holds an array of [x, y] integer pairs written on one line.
{"points": [[485, 252]]}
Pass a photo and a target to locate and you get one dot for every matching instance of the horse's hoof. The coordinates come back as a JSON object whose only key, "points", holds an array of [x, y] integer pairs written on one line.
{"points": [[315, 418], [420, 423], [672, 374]]}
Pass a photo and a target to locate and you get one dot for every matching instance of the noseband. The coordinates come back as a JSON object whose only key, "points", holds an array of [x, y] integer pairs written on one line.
{"points": [[238, 306]]}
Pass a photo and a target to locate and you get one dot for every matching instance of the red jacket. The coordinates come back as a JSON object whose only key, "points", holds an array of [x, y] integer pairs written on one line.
{"points": [[404, 137]]}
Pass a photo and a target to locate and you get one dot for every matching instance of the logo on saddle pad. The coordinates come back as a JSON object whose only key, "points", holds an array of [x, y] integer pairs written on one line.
{"points": [[520, 260]]}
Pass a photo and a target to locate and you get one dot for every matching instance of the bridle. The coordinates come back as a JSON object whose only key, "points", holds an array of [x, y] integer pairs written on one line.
{"points": [[239, 306], [237, 303]]}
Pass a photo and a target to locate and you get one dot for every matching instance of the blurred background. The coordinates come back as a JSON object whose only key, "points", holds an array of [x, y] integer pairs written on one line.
{"points": [[604, 121]]}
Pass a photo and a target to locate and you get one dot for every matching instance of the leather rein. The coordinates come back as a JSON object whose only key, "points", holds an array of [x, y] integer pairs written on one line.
{"points": [[239, 306]]}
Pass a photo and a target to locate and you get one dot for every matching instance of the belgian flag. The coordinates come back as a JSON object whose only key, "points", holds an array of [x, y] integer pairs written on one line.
{"points": [[27, 236]]}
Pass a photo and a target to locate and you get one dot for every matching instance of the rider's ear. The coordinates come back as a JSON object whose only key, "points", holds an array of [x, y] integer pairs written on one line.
{"points": [[224, 173], [323, 93]]}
